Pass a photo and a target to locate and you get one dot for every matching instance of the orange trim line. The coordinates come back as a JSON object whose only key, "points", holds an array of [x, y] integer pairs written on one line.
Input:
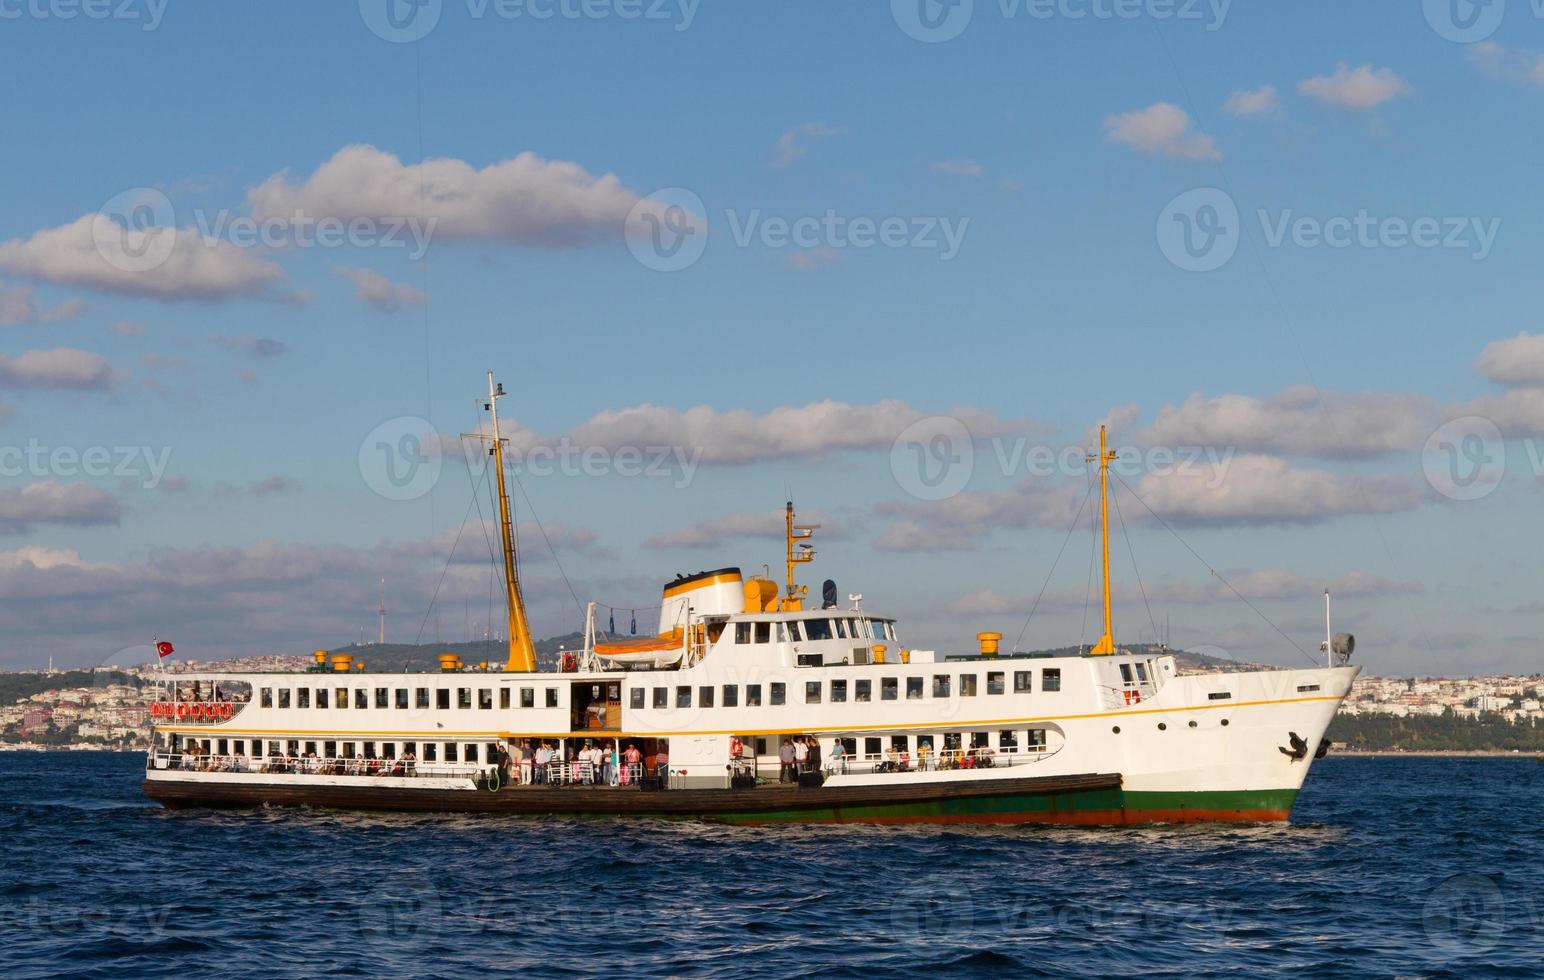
{"points": [[671, 590], [923, 727]]}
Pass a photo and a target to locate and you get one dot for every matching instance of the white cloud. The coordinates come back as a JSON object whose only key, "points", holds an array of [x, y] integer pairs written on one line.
{"points": [[1508, 64], [50, 502], [1297, 422], [194, 268], [1162, 129], [959, 168], [1260, 585], [1360, 88], [1516, 361], [129, 328], [1258, 489], [60, 367], [17, 306], [960, 522], [373, 289], [1251, 102], [524, 201], [795, 143]]}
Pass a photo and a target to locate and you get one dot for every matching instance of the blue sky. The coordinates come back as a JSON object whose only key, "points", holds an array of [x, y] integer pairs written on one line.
{"points": [[1053, 144]]}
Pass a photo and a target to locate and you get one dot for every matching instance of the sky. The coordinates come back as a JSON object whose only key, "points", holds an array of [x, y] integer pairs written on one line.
{"points": [[896, 261]]}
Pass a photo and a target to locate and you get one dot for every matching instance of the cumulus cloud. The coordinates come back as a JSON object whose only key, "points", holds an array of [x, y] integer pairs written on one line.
{"points": [[1516, 361], [17, 306], [1297, 422], [1507, 64], [959, 168], [962, 521], [1259, 585], [60, 367], [1363, 87], [716, 532], [795, 143], [1251, 102], [790, 431], [22, 508], [524, 201], [1258, 489], [373, 289], [247, 344], [93, 252], [1162, 129]]}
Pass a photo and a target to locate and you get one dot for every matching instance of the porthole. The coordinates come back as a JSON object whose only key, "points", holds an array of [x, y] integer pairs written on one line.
{"points": [[1192, 724], [1224, 723], [1162, 727], [1116, 729]]}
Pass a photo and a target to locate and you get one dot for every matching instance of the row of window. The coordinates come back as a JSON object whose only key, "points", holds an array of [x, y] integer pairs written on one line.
{"points": [[837, 690], [385, 697], [424, 751], [874, 746], [796, 630]]}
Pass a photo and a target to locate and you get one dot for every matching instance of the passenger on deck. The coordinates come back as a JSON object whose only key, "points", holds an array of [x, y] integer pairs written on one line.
{"points": [[905, 761], [812, 754], [801, 754], [633, 761], [542, 758], [527, 760], [787, 757], [662, 761], [838, 756]]}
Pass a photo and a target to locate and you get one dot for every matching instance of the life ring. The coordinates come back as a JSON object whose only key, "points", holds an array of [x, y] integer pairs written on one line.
{"points": [[570, 663], [736, 749], [227, 712], [494, 780], [182, 711]]}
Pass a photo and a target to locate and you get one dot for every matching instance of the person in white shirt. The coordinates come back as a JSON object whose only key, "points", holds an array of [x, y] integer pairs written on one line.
{"points": [[801, 753]]}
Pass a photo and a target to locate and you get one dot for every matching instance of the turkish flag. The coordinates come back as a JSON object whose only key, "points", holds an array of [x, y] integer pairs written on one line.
{"points": [[163, 648]]}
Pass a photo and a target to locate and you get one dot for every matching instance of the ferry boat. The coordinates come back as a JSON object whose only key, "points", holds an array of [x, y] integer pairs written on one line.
{"points": [[698, 720]]}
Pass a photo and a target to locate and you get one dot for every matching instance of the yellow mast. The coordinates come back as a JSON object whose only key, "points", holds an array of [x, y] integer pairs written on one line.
{"points": [[798, 553], [1106, 644], [522, 651]]}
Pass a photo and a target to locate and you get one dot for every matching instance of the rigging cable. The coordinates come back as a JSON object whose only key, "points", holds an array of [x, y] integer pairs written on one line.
{"points": [[1131, 549], [1216, 573], [1077, 517], [443, 572]]}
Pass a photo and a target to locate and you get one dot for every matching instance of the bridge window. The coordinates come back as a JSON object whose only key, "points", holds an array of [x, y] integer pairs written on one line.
{"points": [[742, 632], [888, 688], [817, 629], [284, 697], [463, 697], [763, 632], [967, 685], [442, 699], [383, 697], [485, 699], [552, 697], [661, 697], [421, 697], [795, 631], [1021, 681], [528, 697], [265, 697], [779, 693], [994, 682], [782, 632], [838, 690], [361, 698], [302, 697], [503, 697], [402, 698], [321, 697], [841, 628], [862, 690], [705, 696], [940, 685], [683, 696], [811, 692], [1050, 679], [753, 695], [342, 699], [914, 689], [731, 695]]}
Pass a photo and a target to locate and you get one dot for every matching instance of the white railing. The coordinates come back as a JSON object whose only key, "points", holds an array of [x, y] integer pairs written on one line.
{"points": [[312, 766]]}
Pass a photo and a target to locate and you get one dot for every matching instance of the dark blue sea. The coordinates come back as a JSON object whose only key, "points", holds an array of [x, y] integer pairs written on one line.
{"points": [[1390, 867]]}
